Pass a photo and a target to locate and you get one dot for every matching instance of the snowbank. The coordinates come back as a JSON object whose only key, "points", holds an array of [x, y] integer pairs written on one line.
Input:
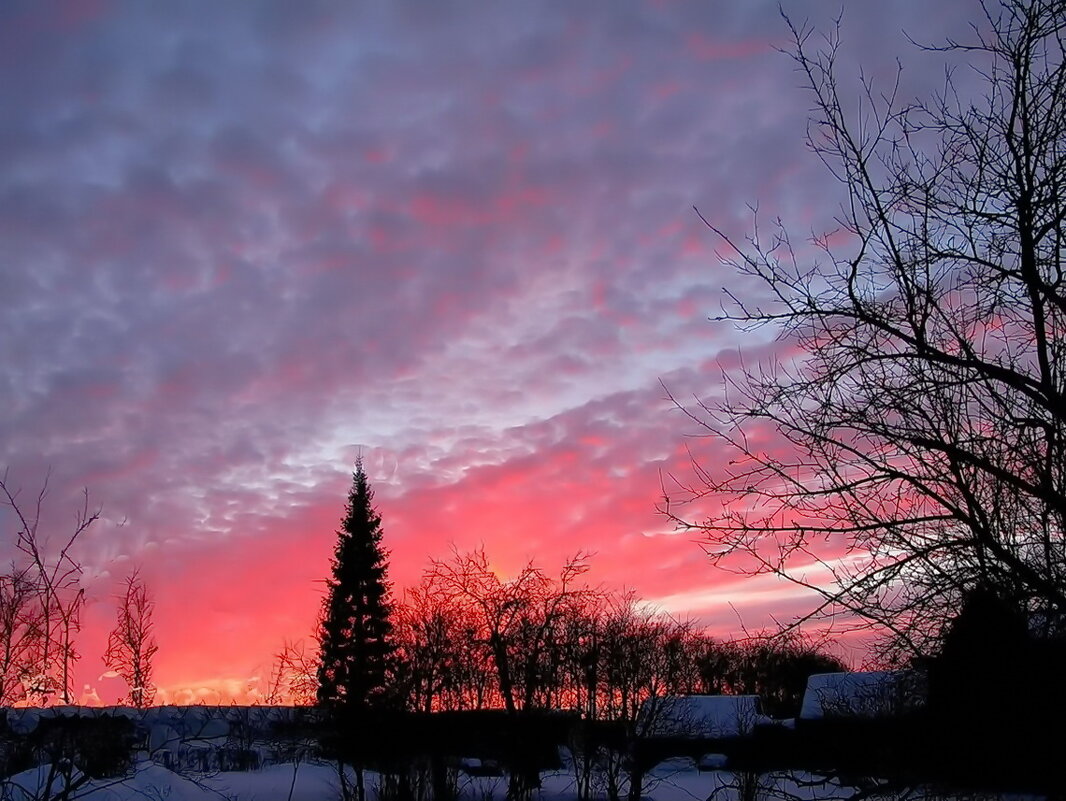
{"points": [[881, 693]]}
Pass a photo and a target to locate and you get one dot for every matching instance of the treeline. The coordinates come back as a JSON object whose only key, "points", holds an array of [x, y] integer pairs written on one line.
{"points": [[466, 639], [510, 670]]}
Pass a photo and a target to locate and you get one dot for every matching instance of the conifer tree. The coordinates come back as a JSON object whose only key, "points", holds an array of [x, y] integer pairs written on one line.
{"points": [[355, 635]]}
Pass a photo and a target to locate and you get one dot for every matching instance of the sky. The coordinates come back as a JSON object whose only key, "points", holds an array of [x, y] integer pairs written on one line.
{"points": [[241, 243]]}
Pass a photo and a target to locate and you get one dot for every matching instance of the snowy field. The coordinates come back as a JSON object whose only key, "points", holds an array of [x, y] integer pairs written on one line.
{"points": [[677, 780], [194, 741]]}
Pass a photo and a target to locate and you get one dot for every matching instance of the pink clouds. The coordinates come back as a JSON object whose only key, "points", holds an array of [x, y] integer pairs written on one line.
{"points": [[444, 210], [240, 240]]}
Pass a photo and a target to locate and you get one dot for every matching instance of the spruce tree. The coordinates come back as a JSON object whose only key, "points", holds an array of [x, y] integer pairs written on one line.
{"points": [[355, 633]]}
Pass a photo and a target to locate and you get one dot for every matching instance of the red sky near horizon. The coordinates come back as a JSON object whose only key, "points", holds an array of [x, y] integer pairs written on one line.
{"points": [[241, 242]]}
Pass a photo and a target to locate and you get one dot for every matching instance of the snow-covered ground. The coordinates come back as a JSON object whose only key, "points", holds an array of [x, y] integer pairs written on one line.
{"points": [[180, 737], [676, 780]]}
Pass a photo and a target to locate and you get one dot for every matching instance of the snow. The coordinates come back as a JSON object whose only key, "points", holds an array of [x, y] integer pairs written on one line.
{"points": [[670, 781], [862, 695], [313, 782], [317, 782], [701, 716], [148, 781], [682, 778], [712, 762]]}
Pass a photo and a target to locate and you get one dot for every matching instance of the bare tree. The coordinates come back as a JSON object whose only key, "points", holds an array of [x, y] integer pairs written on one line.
{"points": [[923, 431], [50, 567], [774, 666], [440, 657], [517, 618], [131, 646], [645, 657], [294, 676], [518, 623], [20, 631]]}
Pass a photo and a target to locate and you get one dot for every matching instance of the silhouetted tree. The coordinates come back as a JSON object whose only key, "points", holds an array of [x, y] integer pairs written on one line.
{"points": [[994, 688], [40, 648], [355, 635], [717, 665], [775, 668], [518, 623], [294, 675], [645, 657], [443, 665], [131, 646], [20, 632], [923, 431]]}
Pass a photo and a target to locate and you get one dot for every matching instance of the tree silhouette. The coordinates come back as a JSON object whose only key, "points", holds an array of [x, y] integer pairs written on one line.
{"points": [[355, 633], [131, 645], [42, 599], [355, 637], [923, 430]]}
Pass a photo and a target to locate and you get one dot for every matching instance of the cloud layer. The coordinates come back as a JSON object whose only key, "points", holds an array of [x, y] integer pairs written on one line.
{"points": [[238, 242]]}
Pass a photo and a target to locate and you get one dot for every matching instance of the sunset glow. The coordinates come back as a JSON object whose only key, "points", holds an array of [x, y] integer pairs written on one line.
{"points": [[242, 243]]}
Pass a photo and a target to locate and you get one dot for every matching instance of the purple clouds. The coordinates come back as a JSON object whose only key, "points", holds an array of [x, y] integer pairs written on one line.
{"points": [[237, 241]]}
